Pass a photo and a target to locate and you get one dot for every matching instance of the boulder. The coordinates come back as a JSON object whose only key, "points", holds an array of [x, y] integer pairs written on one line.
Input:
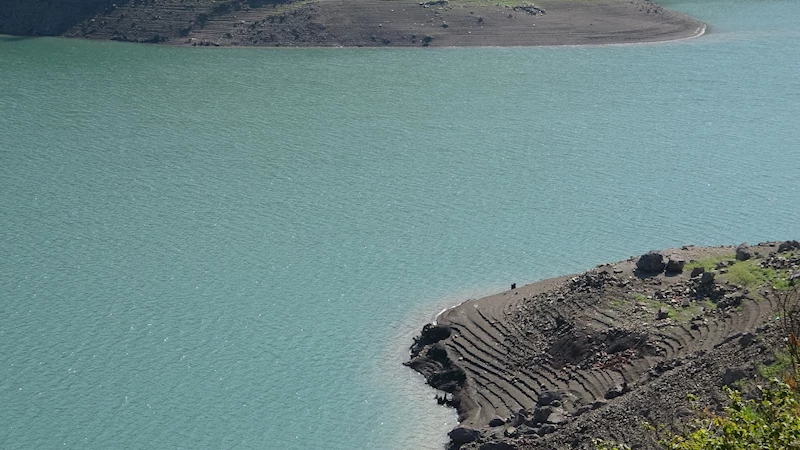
{"points": [[788, 246], [697, 271], [675, 264], [541, 414], [731, 376], [707, 278], [557, 417], [747, 339], [616, 391], [651, 262], [431, 334], [518, 418], [661, 314], [548, 397], [464, 435], [731, 300], [510, 432], [497, 422], [743, 252]]}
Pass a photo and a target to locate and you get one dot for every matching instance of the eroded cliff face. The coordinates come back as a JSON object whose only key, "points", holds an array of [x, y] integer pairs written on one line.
{"points": [[48, 17]]}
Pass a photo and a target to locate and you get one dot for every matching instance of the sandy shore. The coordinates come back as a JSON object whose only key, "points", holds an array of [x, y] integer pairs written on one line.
{"points": [[565, 360], [350, 23]]}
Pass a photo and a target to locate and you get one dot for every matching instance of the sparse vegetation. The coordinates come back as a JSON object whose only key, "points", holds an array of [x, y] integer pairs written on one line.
{"points": [[600, 444], [772, 420], [770, 423], [780, 366], [709, 263], [618, 302], [677, 314], [752, 276]]}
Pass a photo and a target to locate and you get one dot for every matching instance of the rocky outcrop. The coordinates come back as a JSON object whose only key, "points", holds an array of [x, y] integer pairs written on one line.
{"points": [[675, 264], [430, 358], [462, 435], [651, 263], [789, 246], [743, 252]]}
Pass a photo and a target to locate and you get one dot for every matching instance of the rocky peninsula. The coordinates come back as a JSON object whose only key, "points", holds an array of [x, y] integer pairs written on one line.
{"points": [[350, 23], [559, 362]]}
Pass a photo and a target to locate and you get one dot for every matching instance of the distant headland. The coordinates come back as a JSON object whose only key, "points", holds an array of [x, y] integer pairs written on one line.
{"points": [[350, 23], [559, 362]]}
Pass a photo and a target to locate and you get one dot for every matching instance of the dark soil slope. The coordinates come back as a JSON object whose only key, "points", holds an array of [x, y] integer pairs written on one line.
{"points": [[559, 362]]}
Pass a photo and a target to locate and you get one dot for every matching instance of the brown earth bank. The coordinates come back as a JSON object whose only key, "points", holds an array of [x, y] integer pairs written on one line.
{"points": [[554, 364], [377, 23]]}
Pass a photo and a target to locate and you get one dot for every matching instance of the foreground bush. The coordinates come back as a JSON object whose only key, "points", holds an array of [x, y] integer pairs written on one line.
{"points": [[771, 423]]}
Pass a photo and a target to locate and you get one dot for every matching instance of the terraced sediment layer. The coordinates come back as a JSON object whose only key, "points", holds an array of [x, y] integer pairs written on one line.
{"points": [[559, 362], [376, 23]]}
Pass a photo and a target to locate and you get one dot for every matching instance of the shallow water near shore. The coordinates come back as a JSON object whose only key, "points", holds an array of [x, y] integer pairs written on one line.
{"points": [[207, 248]]}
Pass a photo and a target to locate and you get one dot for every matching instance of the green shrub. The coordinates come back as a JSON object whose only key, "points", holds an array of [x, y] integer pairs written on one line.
{"points": [[771, 423], [600, 444]]}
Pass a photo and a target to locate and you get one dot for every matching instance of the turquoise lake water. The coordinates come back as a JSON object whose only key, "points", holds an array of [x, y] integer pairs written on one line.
{"points": [[232, 248]]}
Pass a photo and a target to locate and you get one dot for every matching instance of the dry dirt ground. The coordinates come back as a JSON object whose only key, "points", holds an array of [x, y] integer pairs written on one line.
{"points": [[349, 23], [557, 363]]}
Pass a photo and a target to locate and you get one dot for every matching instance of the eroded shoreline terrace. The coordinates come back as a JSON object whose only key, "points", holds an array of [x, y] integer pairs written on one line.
{"points": [[563, 361]]}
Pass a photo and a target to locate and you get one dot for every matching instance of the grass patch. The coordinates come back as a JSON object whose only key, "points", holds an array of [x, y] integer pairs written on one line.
{"points": [[676, 314], [684, 315], [618, 302], [709, 263], [752, 276], [778, 368]]}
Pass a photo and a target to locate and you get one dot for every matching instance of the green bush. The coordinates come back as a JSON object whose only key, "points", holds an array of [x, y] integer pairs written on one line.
{"points": [[600, 444], [771, 423]]}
